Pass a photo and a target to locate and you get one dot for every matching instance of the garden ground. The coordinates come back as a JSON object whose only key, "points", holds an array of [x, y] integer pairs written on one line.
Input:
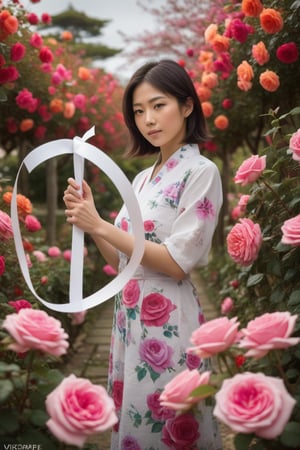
{"points": [[90, 356]]}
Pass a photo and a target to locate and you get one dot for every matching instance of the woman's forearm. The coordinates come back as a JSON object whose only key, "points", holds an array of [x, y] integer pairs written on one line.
{"points": [[156, 256]]}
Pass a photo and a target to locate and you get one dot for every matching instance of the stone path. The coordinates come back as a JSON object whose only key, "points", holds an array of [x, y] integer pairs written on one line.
{"points": [[90, 356]]}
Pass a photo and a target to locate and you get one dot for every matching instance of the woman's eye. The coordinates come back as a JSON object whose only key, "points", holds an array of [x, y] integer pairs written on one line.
{"points": [[137, 112], [159, 105]]}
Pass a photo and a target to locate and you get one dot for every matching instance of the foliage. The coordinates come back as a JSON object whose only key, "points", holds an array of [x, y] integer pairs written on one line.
{"points": [[271, 283], [48, 91]]}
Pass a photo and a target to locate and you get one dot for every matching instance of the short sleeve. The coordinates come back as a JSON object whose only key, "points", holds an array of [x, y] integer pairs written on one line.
{"points": [[189, 242]]}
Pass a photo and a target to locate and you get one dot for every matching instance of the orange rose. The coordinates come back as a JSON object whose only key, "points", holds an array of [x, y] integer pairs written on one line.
{"points": [[26, 125], [7, 197], [271, 20], [210, 32], [220, 43], [252, 8], [221, 122], [245, 71], [9, 23], [56, 105], [84, 73], [269, 80], [244, 85], [207, 109], [66, 35], [260, 53], [204, 93], [69, 110], [209, 79]]}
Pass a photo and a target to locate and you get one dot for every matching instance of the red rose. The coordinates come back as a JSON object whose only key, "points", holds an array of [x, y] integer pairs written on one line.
{"points": [[287, 53]]}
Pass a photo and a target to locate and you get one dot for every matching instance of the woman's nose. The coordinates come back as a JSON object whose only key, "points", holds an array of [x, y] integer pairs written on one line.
{"points": [[149, 119]]}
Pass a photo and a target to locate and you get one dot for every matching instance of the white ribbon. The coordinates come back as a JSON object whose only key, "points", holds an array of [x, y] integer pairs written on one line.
{"points": [[82, 150]]}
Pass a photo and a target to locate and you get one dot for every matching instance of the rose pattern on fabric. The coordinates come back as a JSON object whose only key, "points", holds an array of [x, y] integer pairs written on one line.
{"points": [[181, 432], [156, 309], [156, 356], [204, 209]]}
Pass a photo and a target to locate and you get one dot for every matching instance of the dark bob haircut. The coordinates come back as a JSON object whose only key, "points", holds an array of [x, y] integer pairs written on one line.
{"points": [[172, 79]]}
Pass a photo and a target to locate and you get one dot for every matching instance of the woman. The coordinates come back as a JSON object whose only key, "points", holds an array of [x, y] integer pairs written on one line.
{"points": [[180, 198]]}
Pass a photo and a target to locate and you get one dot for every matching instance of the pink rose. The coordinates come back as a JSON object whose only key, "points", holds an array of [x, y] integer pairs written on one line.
{"points": [[294, 145], [40, 256], [268, 332], [109, 270], [181, 432], [250, 170], [214, 336], [54, 251], [291, 231], [149, 226], [32, 223], [244, 242], [156, 309], [254, 403], [243, 202], [157, 354], [227, 305], [79, 409], [2, 265], [34, 329], [131, 294], [192, 361], [177, 393], [6, 231], [67, 254]]}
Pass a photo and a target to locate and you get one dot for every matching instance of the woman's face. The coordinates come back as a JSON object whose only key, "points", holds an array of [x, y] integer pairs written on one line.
{"points": [[159, 117]]}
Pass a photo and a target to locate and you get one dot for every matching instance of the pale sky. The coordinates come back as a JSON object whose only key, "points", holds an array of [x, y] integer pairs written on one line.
{"points": [[125, 15]]}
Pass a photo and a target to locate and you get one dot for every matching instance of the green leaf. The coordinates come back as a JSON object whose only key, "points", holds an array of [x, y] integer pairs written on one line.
{"points": [[294, 298], [278, 295], [6, 388], [157, 427], [8, 422], [204, 390], [291, 435], [38, 418], [141, 373], [253, 280], [8, 368], [242, 441]]}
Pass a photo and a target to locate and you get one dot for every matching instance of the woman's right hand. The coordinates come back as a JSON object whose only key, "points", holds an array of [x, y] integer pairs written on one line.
{"points": [[80, 207]]}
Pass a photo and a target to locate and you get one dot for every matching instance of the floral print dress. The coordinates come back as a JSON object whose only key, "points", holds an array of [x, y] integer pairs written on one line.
{"points": [[155, 314]]}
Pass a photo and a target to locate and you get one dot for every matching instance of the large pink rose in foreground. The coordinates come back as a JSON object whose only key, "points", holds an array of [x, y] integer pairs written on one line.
{"points": [[294, 145], [214, 337], [177, 393], [35, 330], [268, 332], [254, 403], [79, 409], [291, 231], [250, 170], [244, 242]]}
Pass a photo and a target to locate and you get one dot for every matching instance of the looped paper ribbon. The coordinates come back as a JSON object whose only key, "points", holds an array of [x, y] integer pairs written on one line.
{"points": [[82, 150]]}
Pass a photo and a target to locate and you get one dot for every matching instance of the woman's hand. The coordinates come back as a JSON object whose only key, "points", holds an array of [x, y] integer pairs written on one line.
{"points": [[81, 210]]}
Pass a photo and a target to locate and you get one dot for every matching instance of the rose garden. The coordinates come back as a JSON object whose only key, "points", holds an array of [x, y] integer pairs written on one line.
{"points": [[243, 57]]}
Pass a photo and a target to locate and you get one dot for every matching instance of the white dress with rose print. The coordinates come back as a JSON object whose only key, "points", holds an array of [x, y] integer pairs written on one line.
{"points": [[155, 315]]}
